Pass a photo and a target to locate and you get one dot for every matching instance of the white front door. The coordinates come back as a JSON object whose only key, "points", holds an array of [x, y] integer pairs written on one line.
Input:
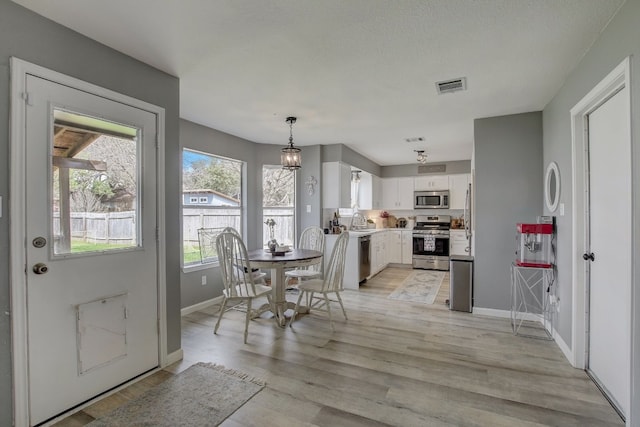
{"points": [[91, 251], [609, 240]]}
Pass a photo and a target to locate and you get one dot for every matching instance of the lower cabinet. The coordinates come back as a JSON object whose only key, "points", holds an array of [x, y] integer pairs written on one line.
{"points": [[400, 247], [458, 243], [378, 251], [352, 261], [394, 249], [407, 246]]}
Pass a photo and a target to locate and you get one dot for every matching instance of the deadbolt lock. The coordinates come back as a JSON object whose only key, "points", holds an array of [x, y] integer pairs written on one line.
{"points": [[39, 242], [40, 268]]}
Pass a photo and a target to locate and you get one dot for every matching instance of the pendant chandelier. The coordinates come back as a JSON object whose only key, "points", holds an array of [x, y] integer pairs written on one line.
{"points": [[422, 158], [290, 157]]}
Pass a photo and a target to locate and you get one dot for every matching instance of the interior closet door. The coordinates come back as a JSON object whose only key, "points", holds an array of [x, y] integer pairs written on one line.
{"points": [[609, 243]]}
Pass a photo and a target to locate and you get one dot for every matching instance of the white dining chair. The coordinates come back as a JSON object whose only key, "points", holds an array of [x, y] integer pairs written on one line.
{"points": [[258, 275], [329, 285], [311, 238], [239, 284]]}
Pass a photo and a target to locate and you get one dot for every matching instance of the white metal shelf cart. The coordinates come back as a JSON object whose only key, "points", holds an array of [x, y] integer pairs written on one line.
{"points": [[532, 297]]}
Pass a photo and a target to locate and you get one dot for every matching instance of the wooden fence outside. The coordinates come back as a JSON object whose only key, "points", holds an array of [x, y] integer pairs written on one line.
{"points": [[120, 227]]}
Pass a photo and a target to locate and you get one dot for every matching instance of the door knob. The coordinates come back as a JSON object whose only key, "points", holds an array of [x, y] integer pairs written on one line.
{"points": [[40, 268], [590, 256]]}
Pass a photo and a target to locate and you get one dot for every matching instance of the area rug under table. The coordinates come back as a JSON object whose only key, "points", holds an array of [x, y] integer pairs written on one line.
{"points": [[421, 286], [202, 395]]}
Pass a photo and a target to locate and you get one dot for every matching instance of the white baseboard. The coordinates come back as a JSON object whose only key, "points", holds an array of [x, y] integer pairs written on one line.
{"points": [[506, 314], [174, 357], [563, 347], [492, 312], [201, 305]]}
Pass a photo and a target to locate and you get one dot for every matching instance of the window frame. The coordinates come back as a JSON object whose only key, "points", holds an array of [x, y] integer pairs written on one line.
{"points": [[293, 209], [241, 208]]}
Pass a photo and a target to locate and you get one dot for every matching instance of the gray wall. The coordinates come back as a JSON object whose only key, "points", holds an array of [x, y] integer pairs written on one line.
{"points": [[508, 190], [620, 39], [33, 38], [342, 153], [311, 166]]}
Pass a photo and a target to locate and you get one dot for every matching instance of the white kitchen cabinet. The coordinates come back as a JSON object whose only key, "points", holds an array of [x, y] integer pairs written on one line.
{"points": [[394, 247], [378, 251], [397, 193], [336, 185], [350, 278], [431, 183], [458, 243], [407, 246], [458, 185]]}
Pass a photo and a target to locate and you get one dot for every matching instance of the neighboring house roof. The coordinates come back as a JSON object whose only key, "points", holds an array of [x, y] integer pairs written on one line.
{"points": [[218, 194]]}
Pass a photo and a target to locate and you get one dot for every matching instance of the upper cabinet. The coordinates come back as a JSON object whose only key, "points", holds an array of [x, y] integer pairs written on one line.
{"points": [[336, 185], [458, 185], [431, 183], [397, 193]]}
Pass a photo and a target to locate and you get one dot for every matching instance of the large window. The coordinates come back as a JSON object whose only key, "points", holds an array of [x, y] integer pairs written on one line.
{"points": [[211, 199], [279, 204]]}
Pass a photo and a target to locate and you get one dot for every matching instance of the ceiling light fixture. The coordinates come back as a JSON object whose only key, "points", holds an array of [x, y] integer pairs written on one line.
{"points": [[290, 157], [422, 158]]}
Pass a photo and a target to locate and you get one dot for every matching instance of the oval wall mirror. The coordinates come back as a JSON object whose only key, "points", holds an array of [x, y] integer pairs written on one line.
{"points": [[552, 186]]}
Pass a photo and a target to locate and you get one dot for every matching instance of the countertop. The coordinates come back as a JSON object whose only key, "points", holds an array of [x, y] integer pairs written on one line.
{"points": [[371, 231]]}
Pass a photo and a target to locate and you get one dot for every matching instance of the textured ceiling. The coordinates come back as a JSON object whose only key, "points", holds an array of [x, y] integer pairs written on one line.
{"points": [[357, 72]]}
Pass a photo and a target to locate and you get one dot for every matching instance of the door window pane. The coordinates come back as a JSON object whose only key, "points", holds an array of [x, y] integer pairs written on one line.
{"points": [[94, 184]]}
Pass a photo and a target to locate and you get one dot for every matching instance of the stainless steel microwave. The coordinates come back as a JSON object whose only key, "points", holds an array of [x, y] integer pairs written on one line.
{"points": [[431, 199]]}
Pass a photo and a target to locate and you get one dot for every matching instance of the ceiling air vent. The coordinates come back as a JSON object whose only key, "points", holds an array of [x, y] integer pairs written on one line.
{"points": [[453, 85]]}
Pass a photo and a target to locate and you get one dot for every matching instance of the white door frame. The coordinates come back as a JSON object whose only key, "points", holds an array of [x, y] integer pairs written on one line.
{"points": [[19, 71], [612, 83]]}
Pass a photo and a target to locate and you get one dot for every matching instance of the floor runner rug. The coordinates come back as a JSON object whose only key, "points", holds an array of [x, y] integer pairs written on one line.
{"points": [[202, 395], [421, 286]]}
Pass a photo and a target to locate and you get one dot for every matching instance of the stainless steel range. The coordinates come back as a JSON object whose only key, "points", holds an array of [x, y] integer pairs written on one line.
{"points": [[431, 242]]}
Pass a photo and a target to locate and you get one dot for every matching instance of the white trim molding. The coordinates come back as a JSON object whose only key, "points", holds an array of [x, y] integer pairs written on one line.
{"points": [[201, 305], [19, 70]]}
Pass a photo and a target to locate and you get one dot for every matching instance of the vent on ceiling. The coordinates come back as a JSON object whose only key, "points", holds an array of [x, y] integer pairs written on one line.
{"points": [[432, 168], [415, 139], [452, 85]]}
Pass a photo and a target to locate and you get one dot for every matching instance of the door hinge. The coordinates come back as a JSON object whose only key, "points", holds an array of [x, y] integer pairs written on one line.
{"points": [[28, 99], [157, 233]]}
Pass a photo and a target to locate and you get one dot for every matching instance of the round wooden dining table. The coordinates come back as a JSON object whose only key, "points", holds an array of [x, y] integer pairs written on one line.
{"points": [[278, 263]]}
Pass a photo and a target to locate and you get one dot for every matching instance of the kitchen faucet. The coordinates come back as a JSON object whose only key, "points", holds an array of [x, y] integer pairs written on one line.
{"points": [[358, 221]]}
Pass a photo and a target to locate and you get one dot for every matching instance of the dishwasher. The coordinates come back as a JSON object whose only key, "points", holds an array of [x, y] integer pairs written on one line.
{"points": [[364, 257]]}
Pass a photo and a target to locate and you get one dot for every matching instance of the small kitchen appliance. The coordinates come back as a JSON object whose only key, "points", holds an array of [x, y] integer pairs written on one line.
{"points": [[431, 199], [534, 245]]}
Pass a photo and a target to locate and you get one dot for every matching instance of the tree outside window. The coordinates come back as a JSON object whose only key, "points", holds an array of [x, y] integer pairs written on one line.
{"points": [[211, 199]]}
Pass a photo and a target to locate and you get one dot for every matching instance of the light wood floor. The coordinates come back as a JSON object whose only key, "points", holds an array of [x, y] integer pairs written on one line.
{"points": [[392, 363]]}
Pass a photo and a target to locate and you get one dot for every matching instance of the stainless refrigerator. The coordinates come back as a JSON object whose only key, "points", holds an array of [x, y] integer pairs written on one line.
{"points": [[461, 283]]}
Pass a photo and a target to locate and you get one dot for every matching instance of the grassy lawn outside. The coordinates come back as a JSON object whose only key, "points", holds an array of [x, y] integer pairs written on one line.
{"points": [[78, 246]]}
